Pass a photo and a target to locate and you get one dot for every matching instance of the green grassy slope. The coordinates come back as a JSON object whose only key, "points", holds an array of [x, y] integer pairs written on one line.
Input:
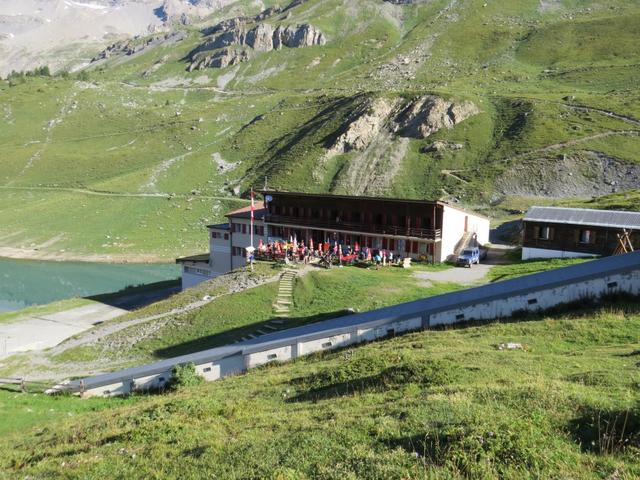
{"points": [[552, 80], [438, 404], [160, 331]]}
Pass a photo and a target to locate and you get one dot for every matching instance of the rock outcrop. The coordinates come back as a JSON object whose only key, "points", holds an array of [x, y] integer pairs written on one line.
{"points": [[416, 118], [428, 114], [226, 57], [363, 126], [138, 44], [261, 38], [378, 134]]}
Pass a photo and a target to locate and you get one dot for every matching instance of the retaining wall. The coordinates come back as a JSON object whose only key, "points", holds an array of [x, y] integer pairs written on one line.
{"points": [[538, 292]]}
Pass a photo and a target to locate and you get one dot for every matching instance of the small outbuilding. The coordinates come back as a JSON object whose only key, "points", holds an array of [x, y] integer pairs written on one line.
{"points": [[558, 232]]}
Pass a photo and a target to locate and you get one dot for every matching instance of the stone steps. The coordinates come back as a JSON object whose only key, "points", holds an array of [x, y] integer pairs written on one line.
{"points": [[284, 299]]}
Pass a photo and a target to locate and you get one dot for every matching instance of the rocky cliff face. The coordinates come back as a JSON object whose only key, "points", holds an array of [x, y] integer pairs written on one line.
{"points": [[261, 38], [136, 45], [428, 114], [378, 134], [227, 57], [416, 118], [363, 126]]}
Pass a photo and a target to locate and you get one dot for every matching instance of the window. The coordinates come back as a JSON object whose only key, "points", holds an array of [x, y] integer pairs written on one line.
{"points": [[612, 284], [258, 230], [391, 332], [215, 235], [587, 236], [226, 236], [238, 251], [460, 316], [272, 356], [206, 369], [326, 345], [244, 228], [543, 233], [532, 301], [392, 244]]}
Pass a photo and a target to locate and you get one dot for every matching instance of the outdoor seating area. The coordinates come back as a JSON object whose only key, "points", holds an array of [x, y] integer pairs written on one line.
{"points": [[327, 254]]}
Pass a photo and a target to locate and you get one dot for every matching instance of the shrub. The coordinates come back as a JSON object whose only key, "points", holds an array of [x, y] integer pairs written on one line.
{"points": [[185, 376]]}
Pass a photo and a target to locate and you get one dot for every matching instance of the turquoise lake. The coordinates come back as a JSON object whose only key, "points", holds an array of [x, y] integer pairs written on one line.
{"points": [[25, 282]]}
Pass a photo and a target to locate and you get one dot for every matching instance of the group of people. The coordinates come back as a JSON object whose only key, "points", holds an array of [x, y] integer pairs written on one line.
{"points": [[326, 252]]}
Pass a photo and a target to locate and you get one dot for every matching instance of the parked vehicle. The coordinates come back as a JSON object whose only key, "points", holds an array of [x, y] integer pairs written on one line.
{"points": [[468, 257]]}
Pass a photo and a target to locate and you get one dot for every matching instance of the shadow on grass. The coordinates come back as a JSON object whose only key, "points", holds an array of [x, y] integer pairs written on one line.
{"points": [[134, 297], [235, 335], [626, 303], [372, 374], [606, 431], [432, 448]]}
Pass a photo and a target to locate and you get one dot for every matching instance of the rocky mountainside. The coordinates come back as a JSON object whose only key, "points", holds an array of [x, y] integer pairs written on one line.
{"points": [[66, 33], [474, 102], [260, 38]]}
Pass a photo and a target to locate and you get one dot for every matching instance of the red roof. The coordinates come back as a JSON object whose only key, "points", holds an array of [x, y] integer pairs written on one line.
{"points": [[244, 211]]}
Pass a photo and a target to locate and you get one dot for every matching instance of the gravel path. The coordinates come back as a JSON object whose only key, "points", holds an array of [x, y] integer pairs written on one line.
{"points": [[461, 275], [37, 333]]}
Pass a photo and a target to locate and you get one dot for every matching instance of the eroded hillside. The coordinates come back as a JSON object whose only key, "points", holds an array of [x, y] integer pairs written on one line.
{"points": [[466, 101]]}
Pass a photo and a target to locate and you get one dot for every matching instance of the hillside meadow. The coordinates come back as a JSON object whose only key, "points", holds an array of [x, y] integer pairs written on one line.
{"points": [[435, 404], [556, 90]]}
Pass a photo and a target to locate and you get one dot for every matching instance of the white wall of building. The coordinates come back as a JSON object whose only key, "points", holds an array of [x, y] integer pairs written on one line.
{"points": [[319, 344], [540, 300], [530, 252], [243, 240], [280, 354], [453, 229], [192, 275], [219, 251]]}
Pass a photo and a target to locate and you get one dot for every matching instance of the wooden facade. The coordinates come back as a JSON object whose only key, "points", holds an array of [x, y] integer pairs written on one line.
{"points": [[418, 220], [586, 239]]}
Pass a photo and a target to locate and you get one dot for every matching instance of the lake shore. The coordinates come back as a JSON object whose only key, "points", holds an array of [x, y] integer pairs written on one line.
{"points": [[35, 254]]}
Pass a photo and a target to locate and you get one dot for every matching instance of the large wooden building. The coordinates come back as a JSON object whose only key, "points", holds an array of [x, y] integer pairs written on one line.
{"points": [[555, 232], [408, 228]]}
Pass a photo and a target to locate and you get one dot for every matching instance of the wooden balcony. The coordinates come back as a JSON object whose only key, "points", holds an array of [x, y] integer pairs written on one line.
{"points": [[360, 228]]}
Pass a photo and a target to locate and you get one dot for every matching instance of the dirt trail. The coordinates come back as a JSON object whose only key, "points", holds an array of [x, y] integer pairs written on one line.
{"points": [[608, 113], [99, 193], [557, 146], [49, 129]]}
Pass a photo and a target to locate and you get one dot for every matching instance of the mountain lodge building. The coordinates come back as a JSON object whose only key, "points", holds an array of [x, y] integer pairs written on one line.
{"points": [[433, 230]]}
